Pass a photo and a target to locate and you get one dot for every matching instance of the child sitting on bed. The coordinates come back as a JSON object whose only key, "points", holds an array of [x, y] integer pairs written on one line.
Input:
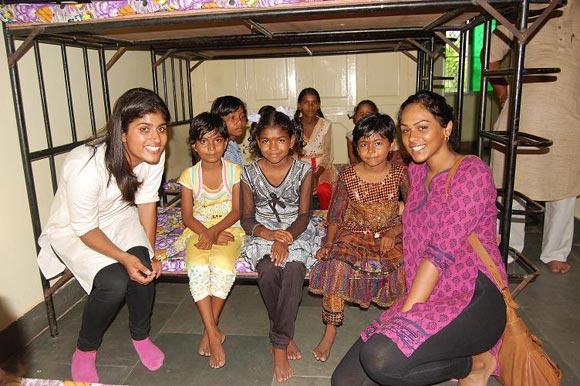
{"points": [[233, 112], [361, 259], [210, 211], [280, 244]]}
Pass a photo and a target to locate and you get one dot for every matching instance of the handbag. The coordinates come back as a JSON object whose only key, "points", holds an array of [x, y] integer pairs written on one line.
{"points": [[522, 361]]}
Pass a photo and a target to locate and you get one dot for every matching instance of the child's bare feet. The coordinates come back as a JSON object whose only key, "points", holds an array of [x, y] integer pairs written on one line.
{"points": [[293, 351], [559, 266], [217, 356], [322, 351], [481, 369], [203, 348], [282, 369]]}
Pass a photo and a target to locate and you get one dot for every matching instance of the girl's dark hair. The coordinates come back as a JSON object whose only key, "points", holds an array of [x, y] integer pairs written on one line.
{"points": [[381, 124], [263, 110], [133, 104], [227, 104], [364, 102], [206, 123], [436, 105], [301, 96], [269, 117]]}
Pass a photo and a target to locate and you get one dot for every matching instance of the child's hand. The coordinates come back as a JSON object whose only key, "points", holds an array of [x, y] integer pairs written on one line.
{"points": [[206, 240], [387, 243], [278, 235], [224, 237], [279, 253], [322, 253]]}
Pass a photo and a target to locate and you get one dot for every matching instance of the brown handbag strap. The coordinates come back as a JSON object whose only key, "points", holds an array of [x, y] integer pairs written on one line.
{"points": [[492, 269], [452, 172]]}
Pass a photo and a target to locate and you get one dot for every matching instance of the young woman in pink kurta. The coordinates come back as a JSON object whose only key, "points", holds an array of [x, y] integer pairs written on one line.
{"points": [[450, 321]]}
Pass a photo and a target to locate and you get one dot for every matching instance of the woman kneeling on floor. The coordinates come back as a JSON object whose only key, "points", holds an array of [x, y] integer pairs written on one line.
{"points": [[450, 322], [102, 226]]}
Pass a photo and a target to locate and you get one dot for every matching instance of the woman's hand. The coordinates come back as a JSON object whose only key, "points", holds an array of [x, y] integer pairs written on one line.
{"points": [[279, 253], [387, 243], [136, 270], [157, 267], [224, 237], [323, 252], [206, 240]]}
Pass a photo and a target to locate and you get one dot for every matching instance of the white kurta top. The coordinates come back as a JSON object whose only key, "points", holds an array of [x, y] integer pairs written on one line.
{"points": [[549, 109], [87, 199]]}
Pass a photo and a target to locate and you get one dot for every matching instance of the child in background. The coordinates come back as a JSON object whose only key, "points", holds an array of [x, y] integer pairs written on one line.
{"points": [[234, 113], [317, 151], [362, 109], [362, 256], [281, 240], [210, 211]]}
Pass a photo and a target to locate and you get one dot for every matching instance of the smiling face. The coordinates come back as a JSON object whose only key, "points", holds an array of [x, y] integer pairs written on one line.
{"points": [[211, 147], [236, 123], [145, 139], [275, 144], [309, 106], [373, 150], [422, 134]]}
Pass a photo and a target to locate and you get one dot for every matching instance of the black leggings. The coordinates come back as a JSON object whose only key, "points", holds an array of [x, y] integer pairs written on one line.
{"points": [[443, 356], [111, 287]]}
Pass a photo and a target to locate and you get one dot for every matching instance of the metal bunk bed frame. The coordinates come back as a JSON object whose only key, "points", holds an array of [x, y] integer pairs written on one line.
{"points": [[426, 41]]}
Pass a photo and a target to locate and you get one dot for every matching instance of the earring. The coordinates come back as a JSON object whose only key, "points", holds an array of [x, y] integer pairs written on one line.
{"points": [[446, 137]]}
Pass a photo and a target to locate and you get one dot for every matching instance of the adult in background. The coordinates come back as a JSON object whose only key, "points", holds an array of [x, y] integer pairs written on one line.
{"points": [[550, 110], [102, 226]]}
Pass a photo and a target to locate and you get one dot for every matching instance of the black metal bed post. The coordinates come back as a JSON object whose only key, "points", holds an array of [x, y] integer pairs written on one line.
{"points": [[28, 174], [483, 87], [174, 90], [419, 76], [182, 88], [189, 92], [164, 78], [463, 41], [89, 90], [515, 99], [154, 72], [69, 98], [43, 102], [105, 83], [431, 64]]}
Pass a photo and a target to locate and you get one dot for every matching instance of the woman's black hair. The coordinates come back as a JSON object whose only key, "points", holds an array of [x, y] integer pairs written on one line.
{"points": [[227, 104], [437, 105], [301, 96], [381, 124], [133, 104], [364, 102], [206, 123], [269, 117]]}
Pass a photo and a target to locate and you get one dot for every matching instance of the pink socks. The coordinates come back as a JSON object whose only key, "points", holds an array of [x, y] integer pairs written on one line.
{"points": [[149, 354], [83, 367]]}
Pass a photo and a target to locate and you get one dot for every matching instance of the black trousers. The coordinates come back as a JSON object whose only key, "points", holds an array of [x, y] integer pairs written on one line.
{"points": [[281, 290], [111, 287], [444, 355]]}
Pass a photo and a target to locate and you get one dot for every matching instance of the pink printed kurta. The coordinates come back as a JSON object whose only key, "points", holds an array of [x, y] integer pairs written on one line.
{"points": [[436, 228]]}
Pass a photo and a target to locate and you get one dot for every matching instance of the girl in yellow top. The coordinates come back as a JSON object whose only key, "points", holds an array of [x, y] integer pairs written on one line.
{"points": [[210, 212]]}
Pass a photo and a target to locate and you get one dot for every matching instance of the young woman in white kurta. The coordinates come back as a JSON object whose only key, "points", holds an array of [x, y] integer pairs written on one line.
{"points": [[102, 226]]}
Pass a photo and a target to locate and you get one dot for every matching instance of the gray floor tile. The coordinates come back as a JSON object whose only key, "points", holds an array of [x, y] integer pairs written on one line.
{"points": [[172, 293], [249, 363], [306, 381]]}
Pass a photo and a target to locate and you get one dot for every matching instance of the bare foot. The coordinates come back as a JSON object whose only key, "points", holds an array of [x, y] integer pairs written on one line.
{"points": [[203, 348], [559, 266], [217, 356], [322, 351], [282, 369], [293, 351], [481, 369]]}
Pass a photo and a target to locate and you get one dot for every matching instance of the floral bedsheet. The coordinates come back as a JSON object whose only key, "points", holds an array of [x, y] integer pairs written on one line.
{"points": [[46, 13], [170, 227]]}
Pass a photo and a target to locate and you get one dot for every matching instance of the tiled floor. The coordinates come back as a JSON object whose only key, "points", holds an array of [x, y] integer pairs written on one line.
{"points": [[548, 306]]}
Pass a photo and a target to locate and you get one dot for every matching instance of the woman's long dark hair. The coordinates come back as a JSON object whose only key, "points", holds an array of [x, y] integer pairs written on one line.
{"points": [[133, 104]]}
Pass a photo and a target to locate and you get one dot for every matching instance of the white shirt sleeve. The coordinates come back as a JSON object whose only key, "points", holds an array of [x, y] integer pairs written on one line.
{"points": [[83, 189], [500, 44], [151, 176]]}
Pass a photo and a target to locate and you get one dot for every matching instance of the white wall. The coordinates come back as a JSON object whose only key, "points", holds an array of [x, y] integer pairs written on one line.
{"points": [[20, 288]]}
